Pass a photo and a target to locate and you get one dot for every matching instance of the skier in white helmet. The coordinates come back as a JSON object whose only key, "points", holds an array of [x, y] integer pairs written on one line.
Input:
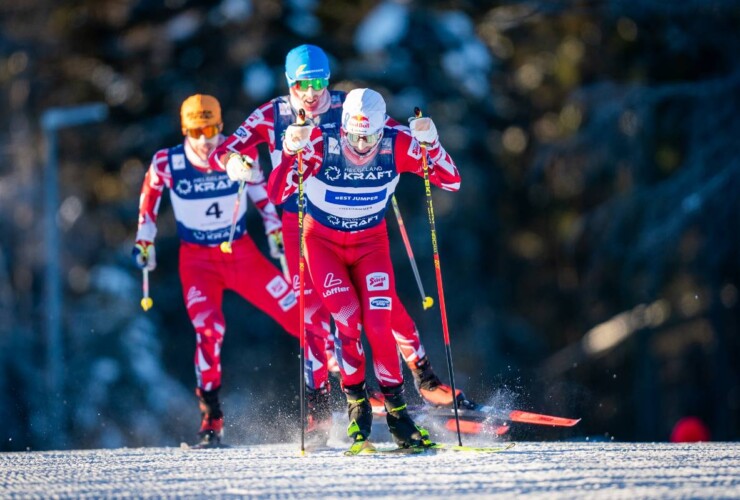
{"points": [[307, 73], [351, 171]]}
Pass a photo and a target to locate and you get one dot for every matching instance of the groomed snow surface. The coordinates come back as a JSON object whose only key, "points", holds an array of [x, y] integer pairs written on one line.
{"points": [[529, 470]]}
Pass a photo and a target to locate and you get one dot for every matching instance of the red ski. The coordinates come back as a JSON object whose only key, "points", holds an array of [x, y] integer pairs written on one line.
{"points": [[526, 417], [475, 418], [488, 414]]}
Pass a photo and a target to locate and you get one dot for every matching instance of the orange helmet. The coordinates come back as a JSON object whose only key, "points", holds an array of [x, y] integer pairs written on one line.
{"points": [[200, 110]]}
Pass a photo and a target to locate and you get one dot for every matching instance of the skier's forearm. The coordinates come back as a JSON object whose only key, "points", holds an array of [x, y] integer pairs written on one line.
{"points": [[149, 200], [218, 158], [283, 180], [443, 171], [255, 130]]}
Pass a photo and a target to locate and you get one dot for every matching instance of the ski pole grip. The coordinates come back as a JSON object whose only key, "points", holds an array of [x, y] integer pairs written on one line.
{"points": [[417, 112], [301, 117]]}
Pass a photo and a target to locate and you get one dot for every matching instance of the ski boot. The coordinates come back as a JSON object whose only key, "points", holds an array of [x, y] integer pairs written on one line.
{"points": [[404, 430], [360, 418], [212, 419], [432, 390], [319, 415]]}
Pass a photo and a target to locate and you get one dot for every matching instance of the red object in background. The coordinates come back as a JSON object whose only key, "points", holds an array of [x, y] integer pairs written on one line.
{"points": [[690, 430]]}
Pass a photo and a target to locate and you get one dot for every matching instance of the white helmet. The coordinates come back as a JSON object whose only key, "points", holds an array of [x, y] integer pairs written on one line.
{"points": [[363, 112]]}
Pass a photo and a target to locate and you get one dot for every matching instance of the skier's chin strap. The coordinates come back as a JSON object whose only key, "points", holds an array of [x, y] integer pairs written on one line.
{"points": [[359, 159]]}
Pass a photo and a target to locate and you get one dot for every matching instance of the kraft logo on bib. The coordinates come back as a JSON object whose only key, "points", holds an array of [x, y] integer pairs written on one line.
{"points": [[377, 281]]}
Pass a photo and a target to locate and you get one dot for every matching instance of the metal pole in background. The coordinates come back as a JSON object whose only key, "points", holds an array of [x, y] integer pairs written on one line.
{"points": [[52, 120]]}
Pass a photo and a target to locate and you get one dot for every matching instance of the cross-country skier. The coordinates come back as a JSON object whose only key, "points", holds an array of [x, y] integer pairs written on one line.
{"points": [[351, 171], [307, 73], [203, 202]]}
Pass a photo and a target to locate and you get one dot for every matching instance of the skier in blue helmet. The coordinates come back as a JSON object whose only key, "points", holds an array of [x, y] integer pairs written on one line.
{"points": [[307, 73]]}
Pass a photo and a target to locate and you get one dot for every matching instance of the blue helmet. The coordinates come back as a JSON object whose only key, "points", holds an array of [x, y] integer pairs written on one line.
{"points": [[306, 62]]}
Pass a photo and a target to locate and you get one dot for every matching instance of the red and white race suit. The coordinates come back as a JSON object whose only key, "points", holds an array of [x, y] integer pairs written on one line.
{"points": [[346, 239], [203, 201], [267, 124]]}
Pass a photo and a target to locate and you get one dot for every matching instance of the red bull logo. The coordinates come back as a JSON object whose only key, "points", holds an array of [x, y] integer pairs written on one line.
{"points": [[359, 122]]}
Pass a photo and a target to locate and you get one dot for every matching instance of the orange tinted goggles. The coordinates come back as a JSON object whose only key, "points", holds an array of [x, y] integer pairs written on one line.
{"points": [[370, 139], [210, 131]]}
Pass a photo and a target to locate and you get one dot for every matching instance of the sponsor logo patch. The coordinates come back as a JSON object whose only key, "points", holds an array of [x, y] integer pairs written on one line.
{"points": [[332, 285], [332, 172], [355, 199], [352, 224], [178, 162], [297, 285], [333, 146], [377, 281], [380, 303], [277, 286], [183, 187], [194, 297], [335, 290], [213, 185], [331, 281], [288, 301]]}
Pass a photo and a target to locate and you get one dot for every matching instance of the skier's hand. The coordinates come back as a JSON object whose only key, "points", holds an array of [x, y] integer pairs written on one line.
{"points": [[241, 168], [423, 130], [296, 138], [144, 255], [275, 240]]}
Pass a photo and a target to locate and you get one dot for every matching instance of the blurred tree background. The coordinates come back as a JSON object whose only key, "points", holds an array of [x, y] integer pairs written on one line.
{"points": [[590, 259]]}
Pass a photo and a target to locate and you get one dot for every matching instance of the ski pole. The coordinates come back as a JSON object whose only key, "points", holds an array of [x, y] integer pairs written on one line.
{"points": [[146, 301], [301, 287], [438, 272], [226, 245], [426, 301]]}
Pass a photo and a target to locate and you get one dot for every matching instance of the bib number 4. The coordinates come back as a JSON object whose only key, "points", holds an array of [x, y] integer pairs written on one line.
{"points": [[214, 210]]}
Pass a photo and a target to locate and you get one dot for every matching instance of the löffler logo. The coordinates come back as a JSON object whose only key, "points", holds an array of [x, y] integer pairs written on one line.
{"points": [[331, 281], [331, 286]]}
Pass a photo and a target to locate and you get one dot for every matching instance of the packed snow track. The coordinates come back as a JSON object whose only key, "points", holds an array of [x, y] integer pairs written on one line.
{"points": [[535, 470]]}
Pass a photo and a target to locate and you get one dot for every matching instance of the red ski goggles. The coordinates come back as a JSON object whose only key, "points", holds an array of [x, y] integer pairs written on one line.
{"points": [[210, 131], [316, 83]]}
